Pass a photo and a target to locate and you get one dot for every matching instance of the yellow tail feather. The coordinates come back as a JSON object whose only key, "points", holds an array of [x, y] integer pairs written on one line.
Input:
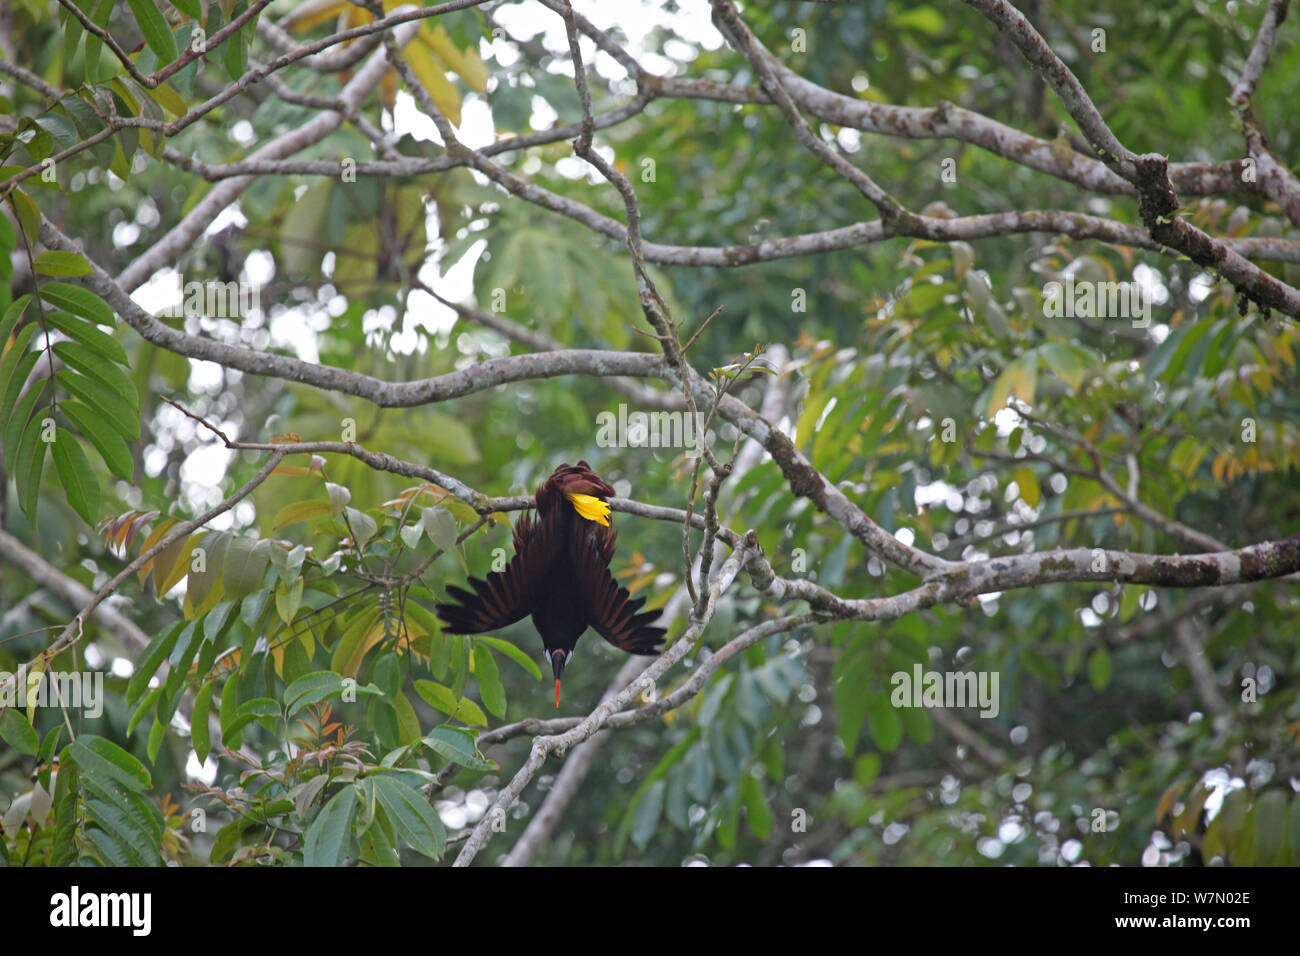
{"points": [[593, 509]]}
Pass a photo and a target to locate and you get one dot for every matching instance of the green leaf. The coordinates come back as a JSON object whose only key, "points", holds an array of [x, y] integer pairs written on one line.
{"points": [[1270, 827], [1100, 669], [228, 839], [13, 314], [311, 689], [87, 333], [848, 696], [200, 732], [728, 817], [326, 841], [364, 526], [16, 730], [108, 849], [145, 708], [94, 365], [73, 32], [244, 566], [489, 680], [154, 27], [416, 821], [1293, 830], [8, 242], [756, 809], [156, 734], [514, 653], [49, 744], [457, 747], [82, 302], [76, 476], [443, 698], [15, 420], [315, 687], [300, 511], [865, 769], [247, 712], [17, 416], [645, 817], [56, 262], [205, 582], [1064, 361], [700, 773], [94, 393], [301, 228], [105, 760], [449, 438], [1177, 345], [17, 366], [470, 713], [886, 725], [1130, 600], [288, 599], [67, 816], [27, 467], [229, 703], [288, 562], [234, 54], [111, 446], [95, 46], [133, 827], [441, 527], [713, 701], [148, 663]]}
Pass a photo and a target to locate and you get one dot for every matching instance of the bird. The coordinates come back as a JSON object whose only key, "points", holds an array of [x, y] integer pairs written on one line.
{"points": [[560, 576]]}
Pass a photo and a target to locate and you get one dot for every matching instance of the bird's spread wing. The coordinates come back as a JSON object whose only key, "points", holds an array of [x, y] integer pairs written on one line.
{"points": [[504, 596], [608, 607]]}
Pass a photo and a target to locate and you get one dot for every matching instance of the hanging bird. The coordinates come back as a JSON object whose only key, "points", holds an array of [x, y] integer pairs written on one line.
{"points": [[560, 575]]}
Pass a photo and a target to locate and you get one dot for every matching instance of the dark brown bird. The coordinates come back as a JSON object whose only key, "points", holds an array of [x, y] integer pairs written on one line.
{"points": [[560, 575]]}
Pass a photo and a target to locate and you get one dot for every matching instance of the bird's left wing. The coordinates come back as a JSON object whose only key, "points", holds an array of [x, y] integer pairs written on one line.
{"points": [[505, 596]]}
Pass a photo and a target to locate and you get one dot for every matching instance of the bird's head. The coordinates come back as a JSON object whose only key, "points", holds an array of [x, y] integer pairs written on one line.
{"points": [[559, 657]]}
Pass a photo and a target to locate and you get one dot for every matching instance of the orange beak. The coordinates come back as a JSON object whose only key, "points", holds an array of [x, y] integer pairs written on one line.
{"points": [[557, 693]]}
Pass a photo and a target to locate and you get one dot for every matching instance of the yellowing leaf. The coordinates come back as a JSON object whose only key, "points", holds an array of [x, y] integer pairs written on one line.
{"points": [[1220, 465], [348, 657], [312, 12], [1168, 800], [1065, 362], [466, 64], [169, 100], [172, 564], [28, 213], [155, 536], [1024, 378], [1027, 481], [293, 471], [431, 73], [1283, 343], [1020, 379], [301, 511]]}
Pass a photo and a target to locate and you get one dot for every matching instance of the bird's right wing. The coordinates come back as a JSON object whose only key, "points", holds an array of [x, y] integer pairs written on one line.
{"points": [[505, 596], [608, 607]]}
